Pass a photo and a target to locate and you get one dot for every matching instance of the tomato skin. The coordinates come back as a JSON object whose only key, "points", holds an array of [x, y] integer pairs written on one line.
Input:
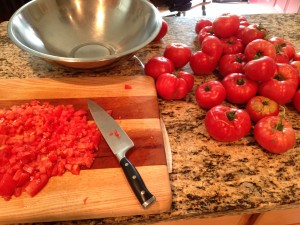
{"points": [[210, 94], [244, 21], [201, 24], [163, 31], [282, 87], [158, 65], [259, 107], [231, 63], [296, 65], [239, 33], [213, 47], [283, 46], [258, 48], [171, 87], [202, 64], [189, 78], [281, 57], [297, 56], [227, 124], [272, 139], [296, 100], [205, 32], [232, 45], [253, 32], [261, 69], [238, 88], [178, 53], [226, 25], [205, 62]]}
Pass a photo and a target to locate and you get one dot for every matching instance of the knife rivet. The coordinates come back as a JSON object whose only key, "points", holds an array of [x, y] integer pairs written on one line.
{"points": [[133, 177], [126, 164], [143, 192]]}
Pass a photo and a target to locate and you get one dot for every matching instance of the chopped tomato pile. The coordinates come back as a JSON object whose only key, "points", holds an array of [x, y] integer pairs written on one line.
{"points": [[38, 141]]}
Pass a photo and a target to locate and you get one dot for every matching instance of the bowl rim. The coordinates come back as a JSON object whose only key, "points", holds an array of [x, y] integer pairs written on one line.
{"points": [[72, 59]]}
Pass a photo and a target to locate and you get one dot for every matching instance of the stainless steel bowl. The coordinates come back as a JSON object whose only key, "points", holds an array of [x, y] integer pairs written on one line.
{"points": [[84, 33]]}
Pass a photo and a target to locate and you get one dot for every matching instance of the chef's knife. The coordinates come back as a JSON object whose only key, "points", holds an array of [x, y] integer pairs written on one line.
{"points": [[120, 143]]}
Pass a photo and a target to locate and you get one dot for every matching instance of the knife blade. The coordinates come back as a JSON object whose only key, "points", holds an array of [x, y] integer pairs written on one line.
{"points": [[119, 142]]}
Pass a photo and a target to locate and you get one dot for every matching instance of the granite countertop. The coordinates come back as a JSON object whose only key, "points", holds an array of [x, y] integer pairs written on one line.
{"points": [[209, 178]]}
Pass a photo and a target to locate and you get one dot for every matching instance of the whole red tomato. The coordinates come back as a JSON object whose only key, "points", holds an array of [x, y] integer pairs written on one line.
{"points": [[213, 47], [202, 64], [201, 24], [205, 32], [232, 45], [163, 31], [205, 62], [284, 46], [282, 87], [296, 100], [275, 134], [226, 25], [253, 32], [238, 88], [259, 107], [227, 124], [158, 65], [258, 48], [261, 69], [178, 53], [210, 94], [172, 87], [231, 63]]}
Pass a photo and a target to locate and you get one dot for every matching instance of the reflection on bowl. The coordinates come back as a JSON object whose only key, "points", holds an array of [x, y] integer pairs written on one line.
{"points": [[84, 33]]}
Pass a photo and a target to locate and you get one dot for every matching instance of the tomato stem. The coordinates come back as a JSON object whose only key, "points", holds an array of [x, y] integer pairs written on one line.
{"points": [[265, 102], [278, 48], [258, 55], [239, 59], [279, 77], [231, 115], [240, 81], [230, 42], [279, 126], [207, 88]]}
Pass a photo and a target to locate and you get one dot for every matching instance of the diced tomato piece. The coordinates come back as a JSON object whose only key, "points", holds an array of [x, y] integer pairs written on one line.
{"points": [[117, 134], [27, 168], [23, 179], [18, 191], [36, 185], [7, 186], [127, 86]]}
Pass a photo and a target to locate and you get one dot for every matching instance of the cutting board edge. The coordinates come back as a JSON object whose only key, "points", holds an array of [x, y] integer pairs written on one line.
{"points": [[163, 203]]}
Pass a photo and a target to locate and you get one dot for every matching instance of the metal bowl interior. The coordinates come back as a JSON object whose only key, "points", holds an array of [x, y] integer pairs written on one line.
{"points": [[84, 33]]}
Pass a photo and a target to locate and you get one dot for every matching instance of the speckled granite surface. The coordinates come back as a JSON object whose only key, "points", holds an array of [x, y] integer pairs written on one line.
{"points": [[209, 178]]}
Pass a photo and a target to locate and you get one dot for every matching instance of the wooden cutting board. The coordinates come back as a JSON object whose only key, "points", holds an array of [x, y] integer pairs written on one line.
{"points": [[102, 191]]}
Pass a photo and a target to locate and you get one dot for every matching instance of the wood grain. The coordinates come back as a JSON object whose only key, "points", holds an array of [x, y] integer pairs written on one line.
{"points": [[102, 191], [92, 194]]}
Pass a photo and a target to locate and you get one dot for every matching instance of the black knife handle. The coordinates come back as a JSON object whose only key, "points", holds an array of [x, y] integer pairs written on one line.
{"points": [[137, 184]]}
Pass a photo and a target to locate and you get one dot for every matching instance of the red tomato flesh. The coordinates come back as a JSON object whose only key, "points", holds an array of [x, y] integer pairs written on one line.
{"points": [[38, 141]]}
